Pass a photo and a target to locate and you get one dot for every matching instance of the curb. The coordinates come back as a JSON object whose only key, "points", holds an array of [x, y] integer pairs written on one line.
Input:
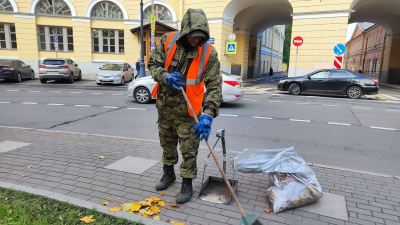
{"points": [[81, 203], [390, 87]]}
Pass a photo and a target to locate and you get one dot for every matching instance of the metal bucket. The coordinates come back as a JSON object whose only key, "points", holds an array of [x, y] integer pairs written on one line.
{"points": [[214, 189]]}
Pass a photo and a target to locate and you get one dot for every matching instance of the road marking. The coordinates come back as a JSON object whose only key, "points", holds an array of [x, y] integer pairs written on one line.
{"points": [[55, 104], [249, 100], [83, 105], [277, 94], [29, 103], [111, 107], [260, 117], [383, 128], [33, 91], [274, 101], [392, 110], [381, 97], [137, 108], [361, 108], [96, 93], [303, 103], [390, 97], [331, 105], [5, 102], [117, 94], [306, 121], [75, 92], [55, 91], [340, 124], [12, 90], [229, 115]]}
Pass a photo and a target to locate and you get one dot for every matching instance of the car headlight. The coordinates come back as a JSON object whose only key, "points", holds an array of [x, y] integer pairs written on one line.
{"points": [[115, 76]]}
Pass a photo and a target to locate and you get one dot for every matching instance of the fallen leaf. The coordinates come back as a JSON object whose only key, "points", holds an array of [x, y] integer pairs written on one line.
{"points": [[157, 218], [174, 205], [144, 203], [60, 218], [154, 209], [193, 186], [105, 203], [22, 175], [135, 207], [101, 157], [152, 200], [145, 213], [29, 167], [180, 224], [161, 203], [172, 222], [267, 210], [187, 221], [169, 201], [126, 207], [163, 207], [115, 209], [161, 194], [87, 219]]}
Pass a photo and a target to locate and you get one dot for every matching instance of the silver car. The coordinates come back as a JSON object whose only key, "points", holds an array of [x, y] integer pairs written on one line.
{"points": [[59, 69], [114, 73]]}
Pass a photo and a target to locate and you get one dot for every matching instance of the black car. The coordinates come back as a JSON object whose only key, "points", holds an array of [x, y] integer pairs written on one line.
{"points": [[15, 70], [339, 82]]}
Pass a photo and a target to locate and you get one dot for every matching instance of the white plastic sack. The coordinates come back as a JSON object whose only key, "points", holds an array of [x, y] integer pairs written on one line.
{"points": [[291, 182]]}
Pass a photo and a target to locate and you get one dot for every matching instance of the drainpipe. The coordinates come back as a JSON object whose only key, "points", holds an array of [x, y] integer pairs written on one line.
{"points": [[365, 53]]}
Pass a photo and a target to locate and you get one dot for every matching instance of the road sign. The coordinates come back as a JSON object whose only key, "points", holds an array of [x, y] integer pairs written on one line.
{"points": [[153, 41], [232, 37], [298, 41], [338, 62], [339, 49], [55, 36], [211, 40], [153, 22], [230, 48]]}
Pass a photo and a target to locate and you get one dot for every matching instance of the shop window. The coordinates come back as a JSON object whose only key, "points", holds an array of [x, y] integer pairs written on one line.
{"points": [[108, 41], [46, 38], [161, 12], [58, 7], [5, 5], [8, 38], [107, 10]]}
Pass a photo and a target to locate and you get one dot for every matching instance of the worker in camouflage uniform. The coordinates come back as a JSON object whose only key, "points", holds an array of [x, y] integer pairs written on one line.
{"points": [[175, 125]]}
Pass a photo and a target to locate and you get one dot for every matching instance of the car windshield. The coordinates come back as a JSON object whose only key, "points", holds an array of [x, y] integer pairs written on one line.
{"points": [[111, 67], [53, 62]]}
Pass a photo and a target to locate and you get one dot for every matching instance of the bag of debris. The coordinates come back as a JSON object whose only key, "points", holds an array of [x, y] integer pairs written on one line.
{"points": [[291, 182]]}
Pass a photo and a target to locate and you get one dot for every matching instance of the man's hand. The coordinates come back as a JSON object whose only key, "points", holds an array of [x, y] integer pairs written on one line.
{"points": [[175, 80], [203, 129]]}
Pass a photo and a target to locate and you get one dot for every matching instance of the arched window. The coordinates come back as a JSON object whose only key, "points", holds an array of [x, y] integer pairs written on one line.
{"points": [[53, 7], [107, 10], [161, 12], [5, 5]]}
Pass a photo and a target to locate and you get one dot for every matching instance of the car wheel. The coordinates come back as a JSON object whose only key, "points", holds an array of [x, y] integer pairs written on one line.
{"points": [[294, 89], [122, 81], [32, 75], [71, 78], [354, 92], [80, 76], [43, 81], [19, 78], [142, 95]]}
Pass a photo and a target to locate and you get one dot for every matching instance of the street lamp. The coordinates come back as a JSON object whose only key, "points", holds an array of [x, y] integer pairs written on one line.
{"points": [[142, 72]]}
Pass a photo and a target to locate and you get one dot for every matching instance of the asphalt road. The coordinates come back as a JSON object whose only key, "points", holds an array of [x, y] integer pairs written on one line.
{"points": [[331, 130]]}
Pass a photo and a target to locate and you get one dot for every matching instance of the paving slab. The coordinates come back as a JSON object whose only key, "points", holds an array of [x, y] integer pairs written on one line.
{"points": [[131, 164], [330, 205], [6, 146]]}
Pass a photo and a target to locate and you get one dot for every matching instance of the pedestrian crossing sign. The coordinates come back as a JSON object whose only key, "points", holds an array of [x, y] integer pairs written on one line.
{"points": [[230, 48]]}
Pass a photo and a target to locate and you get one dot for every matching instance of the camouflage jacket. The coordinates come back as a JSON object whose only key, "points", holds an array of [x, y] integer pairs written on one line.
{"points": [[194, 19]]}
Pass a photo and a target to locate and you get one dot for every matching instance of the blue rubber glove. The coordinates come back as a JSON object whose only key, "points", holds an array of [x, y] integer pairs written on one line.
{"points": [[203, 129], [175, 80]]}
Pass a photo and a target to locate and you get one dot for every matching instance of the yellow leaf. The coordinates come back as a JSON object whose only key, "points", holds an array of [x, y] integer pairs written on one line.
{"points": [[126, 206], [22, 175], [87, 219], [169, 201], [172, 222], [115, 209], [154, 209], [180, 224], [136, 207], [161, 203], [157, 218], [101, 157], [144, 203], [152, 199], [174, 205], [267, 210], [105, 203], [161, 194]]}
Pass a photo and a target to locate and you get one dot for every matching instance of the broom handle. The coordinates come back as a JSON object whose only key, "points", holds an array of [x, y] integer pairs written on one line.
{"points": [[215, 158]]}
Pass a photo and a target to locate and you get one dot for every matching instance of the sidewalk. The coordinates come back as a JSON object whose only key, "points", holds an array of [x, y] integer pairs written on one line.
{"points": [[68, 164]]}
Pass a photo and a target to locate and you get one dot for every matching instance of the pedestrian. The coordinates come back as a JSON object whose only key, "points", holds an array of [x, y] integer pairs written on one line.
{"points": [[360, 71], [271, 71], [137, 68], [185, 59]]}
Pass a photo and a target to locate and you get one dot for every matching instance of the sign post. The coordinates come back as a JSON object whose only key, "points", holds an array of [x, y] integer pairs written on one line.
{"points": [[153, 28], [55, 37], [339, 50], [297, 41]]}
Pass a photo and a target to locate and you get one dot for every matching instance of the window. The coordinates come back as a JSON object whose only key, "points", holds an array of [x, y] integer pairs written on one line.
{"points": [[108, 41], [340, 74], [53, 7], [319, 75], [8, 38], [161, 12], [107, 10], [5, 5], [46, 38]]}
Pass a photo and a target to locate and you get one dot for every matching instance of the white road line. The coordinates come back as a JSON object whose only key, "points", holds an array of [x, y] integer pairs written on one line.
{"points": [[83, 105], [274, 101], [229, 115], [331, 105], [96, 93], [303, 103], [361, 108], [117, 94], [55, 104], [306, 121], [382, 128], [33, 91], [29, 103], [390, 97], [55, 91], [260, 117], [277, 94], [5, 102], [137, 108], [392, 110], [111, 107], [340, 124], [12, 90], [76, 92]]}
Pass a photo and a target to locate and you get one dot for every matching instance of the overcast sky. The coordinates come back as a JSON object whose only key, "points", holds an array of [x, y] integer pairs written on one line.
{"points": [[350, 30]]}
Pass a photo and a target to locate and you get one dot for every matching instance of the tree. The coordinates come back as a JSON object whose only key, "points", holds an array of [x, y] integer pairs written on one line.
{"points": [[287, 43]]}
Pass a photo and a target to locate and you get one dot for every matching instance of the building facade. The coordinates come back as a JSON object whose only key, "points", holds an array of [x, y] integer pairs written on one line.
{"points": [[271, 42], [366, 49]]}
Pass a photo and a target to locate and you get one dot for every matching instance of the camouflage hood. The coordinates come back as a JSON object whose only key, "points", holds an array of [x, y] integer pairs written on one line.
{"points": [[195, 19]]}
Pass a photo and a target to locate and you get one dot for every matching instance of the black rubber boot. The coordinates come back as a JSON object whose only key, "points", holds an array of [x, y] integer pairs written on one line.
{"points": [[186, 191], [167, 179]]}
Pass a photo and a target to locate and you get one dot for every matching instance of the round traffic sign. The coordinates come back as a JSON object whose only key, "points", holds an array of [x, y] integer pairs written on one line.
{"points": [[298, 41], [339, 49]]}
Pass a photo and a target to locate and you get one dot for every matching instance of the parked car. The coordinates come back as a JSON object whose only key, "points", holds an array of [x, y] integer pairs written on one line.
{"points": [[340, 82], [15, 70], [114, 73], [141, 89], [59, 69]]}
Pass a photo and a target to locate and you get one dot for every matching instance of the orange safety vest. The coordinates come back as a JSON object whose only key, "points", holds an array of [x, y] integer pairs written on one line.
{"points": [[195, 75]]}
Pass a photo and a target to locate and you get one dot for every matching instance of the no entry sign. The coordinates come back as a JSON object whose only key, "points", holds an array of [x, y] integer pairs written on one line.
{"points": [[338, 62], [298, 41]]}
